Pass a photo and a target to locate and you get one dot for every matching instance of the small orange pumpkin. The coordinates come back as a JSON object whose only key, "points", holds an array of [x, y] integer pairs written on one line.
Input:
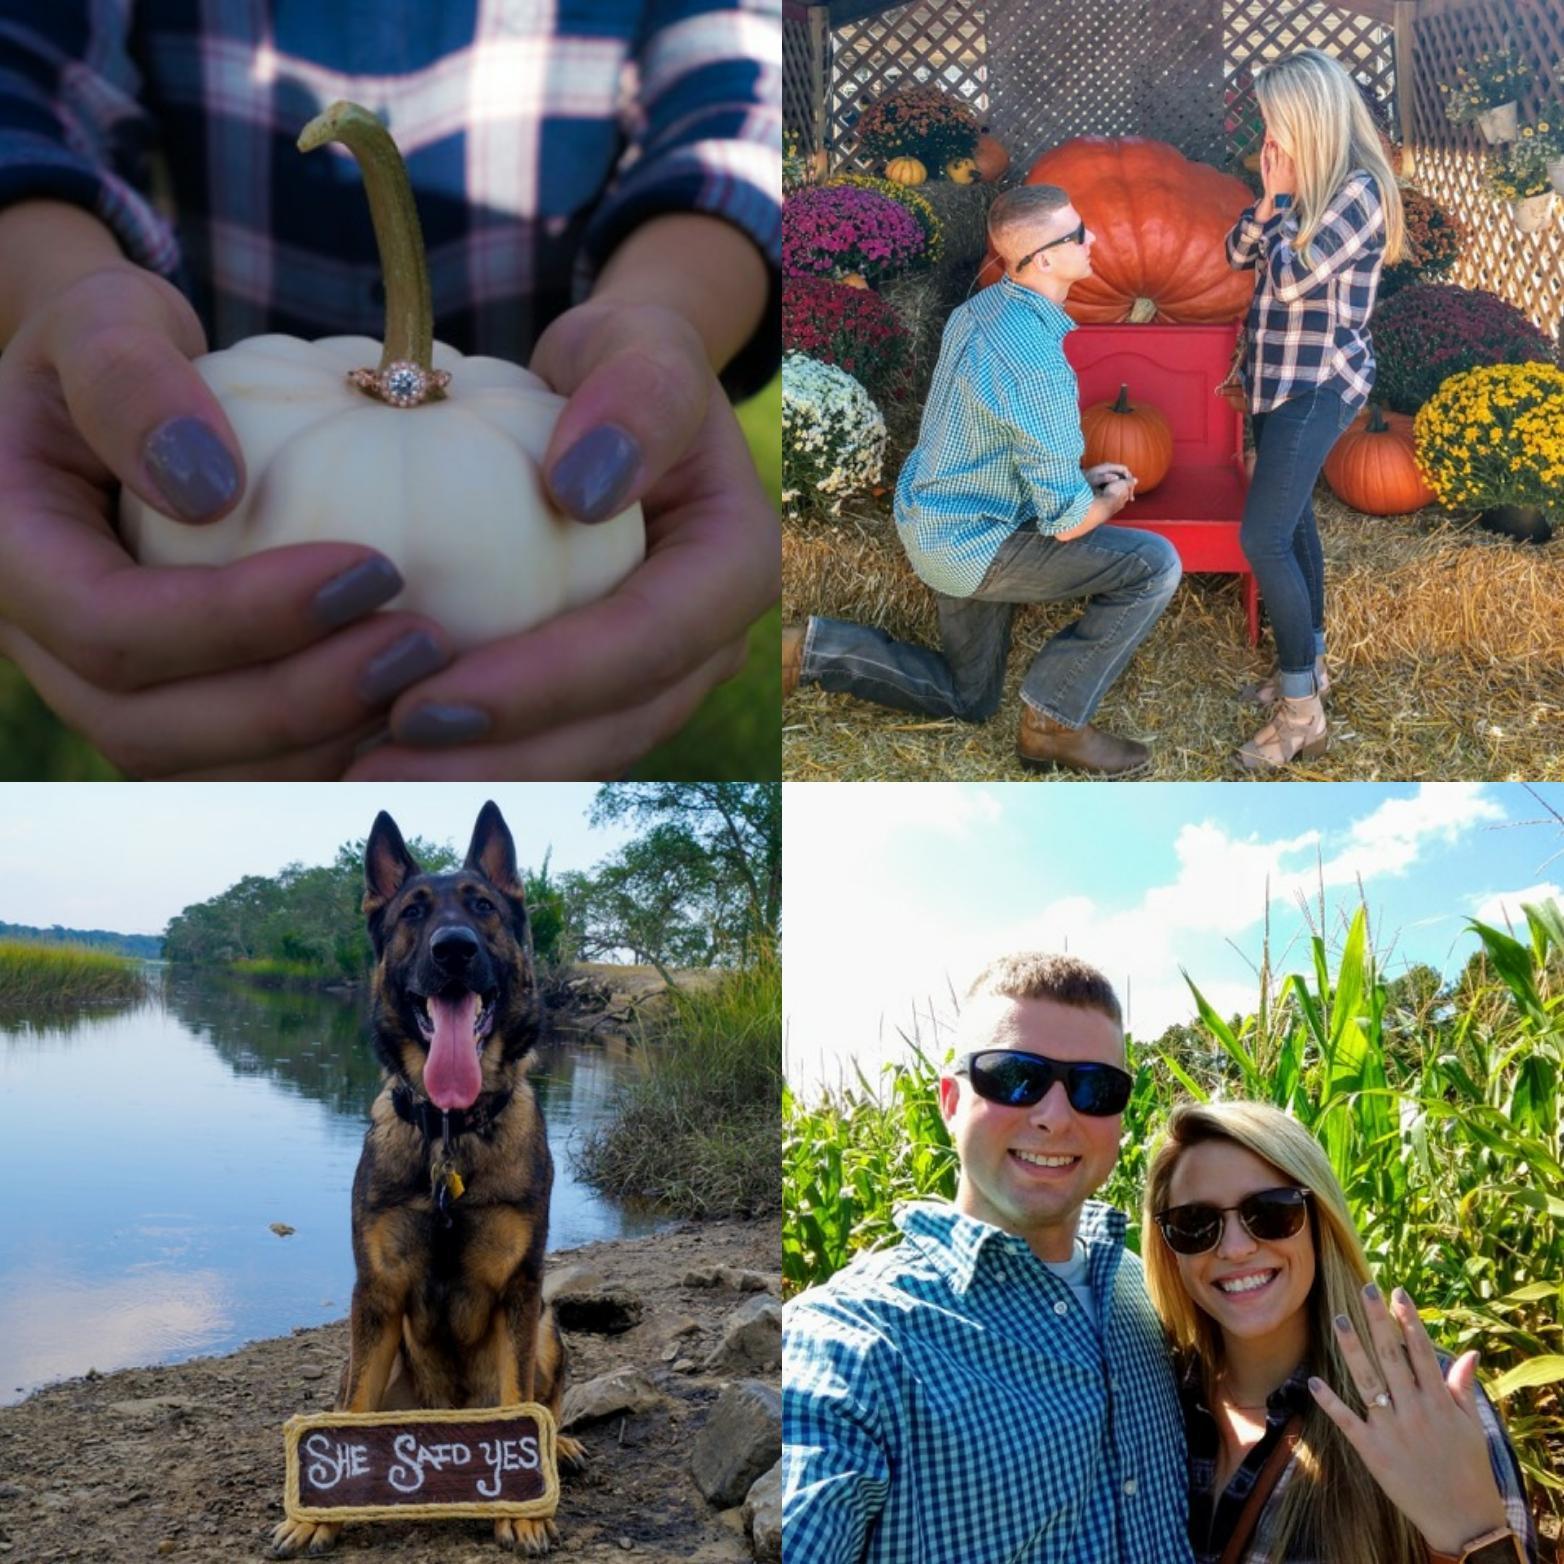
{"points": [[905, 171], [1137, 436], [991, 157], [1373, 466], [854, 280]]}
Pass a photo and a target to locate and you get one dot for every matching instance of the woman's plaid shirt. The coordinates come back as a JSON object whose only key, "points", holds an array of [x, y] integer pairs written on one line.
{"points": [[948, 1402], [536, 137], [1213, 1516], [1308, 322]]}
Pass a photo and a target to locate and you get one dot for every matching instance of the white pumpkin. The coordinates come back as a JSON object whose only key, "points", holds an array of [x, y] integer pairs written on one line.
{"points": [[451, 491], [446, 481]]}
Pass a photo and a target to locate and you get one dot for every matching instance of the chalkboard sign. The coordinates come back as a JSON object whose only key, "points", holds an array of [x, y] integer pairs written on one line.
{"points": [[496, 1461]]}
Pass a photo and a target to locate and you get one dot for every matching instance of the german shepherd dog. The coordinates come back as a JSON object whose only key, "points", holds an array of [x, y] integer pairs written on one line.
{"points": [[449, 1232]]}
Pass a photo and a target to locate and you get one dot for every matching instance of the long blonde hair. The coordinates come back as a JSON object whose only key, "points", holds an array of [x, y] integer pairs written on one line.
{"points": [[1332, 1508], [1311, 104]]}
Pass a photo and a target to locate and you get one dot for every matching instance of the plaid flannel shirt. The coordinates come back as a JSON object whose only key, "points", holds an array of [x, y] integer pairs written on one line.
{"points": [[536, 138], [1308, 321], [949, 1402], [1000, 444], [1213, 1516]]}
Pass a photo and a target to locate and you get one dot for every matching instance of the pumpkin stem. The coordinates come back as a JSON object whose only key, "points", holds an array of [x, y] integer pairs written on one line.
{"points": [[1122, 401], [1142, 310], [1376, 423], [409, 335]]}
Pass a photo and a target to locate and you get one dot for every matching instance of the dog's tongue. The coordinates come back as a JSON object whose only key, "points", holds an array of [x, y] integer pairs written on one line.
{"points": [[452, 1077]]}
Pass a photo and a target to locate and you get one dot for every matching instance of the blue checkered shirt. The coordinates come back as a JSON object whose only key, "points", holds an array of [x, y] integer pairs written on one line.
{"points": [[1308, 321], [1000, 445], [949, 1402], [536, 137]]}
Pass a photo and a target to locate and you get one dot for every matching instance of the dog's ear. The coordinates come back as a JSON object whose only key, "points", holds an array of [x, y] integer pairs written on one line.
{"points": [[387, 865], [493, 854]]}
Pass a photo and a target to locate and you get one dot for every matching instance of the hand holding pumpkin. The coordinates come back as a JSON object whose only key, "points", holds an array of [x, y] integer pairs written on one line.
{"points": [[588, 692], [172, 671]]}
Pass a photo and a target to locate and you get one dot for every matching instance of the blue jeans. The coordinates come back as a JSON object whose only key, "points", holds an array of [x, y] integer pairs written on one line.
{"points": [[1280, 538], [1126, 576]]}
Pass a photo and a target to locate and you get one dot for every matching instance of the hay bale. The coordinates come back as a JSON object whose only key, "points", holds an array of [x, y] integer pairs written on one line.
{"points": [[1445, 651]]}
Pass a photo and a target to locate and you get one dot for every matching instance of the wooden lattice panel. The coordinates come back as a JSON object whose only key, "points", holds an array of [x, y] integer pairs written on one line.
{"points": [[1526, 269], [801, 84], [931, 41]]}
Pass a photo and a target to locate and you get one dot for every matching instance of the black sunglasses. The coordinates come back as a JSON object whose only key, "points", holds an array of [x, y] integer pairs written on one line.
{"points": [[1267, 1215], [1075, 236], [1018, 1080]]}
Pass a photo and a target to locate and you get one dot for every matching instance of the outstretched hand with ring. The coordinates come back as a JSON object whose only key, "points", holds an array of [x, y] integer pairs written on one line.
{"points": [[1422, 1437]]}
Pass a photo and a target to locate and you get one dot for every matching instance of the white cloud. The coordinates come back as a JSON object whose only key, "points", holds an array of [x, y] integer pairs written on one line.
{"points": [[1392, 838], [858, 814], [1502, 909]]}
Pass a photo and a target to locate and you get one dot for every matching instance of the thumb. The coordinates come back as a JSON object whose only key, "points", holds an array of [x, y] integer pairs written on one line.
{"points": [[637, 384], [123, 356], [1462, 1383]]}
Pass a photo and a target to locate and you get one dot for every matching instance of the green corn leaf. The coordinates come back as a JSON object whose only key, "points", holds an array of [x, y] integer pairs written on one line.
{"points": [[1546, 1370]]}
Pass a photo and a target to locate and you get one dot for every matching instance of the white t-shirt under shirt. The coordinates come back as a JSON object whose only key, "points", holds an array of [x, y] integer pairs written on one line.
{"points": [[1072, 1273]]}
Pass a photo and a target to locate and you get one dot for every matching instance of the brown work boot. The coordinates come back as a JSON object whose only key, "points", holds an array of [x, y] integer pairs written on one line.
{"points": [[792, 657], [1042, 743]]}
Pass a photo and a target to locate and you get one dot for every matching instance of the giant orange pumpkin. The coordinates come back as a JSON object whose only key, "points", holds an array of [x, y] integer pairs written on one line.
{"points": [[1373, 469], [1159, 220], [1136, 435]]}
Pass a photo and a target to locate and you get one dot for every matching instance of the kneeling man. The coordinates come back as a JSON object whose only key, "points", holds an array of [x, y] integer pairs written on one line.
{"points": [[994, 510]]}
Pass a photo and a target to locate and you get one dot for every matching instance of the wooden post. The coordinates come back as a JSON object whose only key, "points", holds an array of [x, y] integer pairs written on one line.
{"points": [[820, 59], [1406, 11]]}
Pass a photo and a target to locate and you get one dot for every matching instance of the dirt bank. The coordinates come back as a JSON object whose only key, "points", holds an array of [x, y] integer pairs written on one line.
{"points": [[185, 1462]]}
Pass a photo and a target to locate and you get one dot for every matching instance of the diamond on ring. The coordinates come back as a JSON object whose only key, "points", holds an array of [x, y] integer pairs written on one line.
{"points": [[400, 383], [1382, 1399]]}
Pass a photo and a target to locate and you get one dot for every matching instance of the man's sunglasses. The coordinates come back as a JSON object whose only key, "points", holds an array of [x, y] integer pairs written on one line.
{"points": [[1018, 1080], [1267, 1216], [1075, 236]]}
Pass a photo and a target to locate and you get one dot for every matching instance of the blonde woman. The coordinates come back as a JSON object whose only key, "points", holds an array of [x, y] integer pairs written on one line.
{"points": [[1321, 1427], [1329, 218]]}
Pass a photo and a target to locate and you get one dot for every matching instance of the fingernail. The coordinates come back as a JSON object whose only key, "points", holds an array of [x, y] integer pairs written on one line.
{"points": [[1401, 1295], [593, 477], [368, 585], [409, 658], [1343, 1323], [1371, 1292], [1316, 1384], [191, 467], [442, 725]]}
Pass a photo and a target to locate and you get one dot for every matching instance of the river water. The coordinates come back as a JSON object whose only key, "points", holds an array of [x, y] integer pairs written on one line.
{"points": [[146, 1153]]}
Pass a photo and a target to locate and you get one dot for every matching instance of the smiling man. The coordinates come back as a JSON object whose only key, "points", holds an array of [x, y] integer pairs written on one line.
{"points": [[995, 1388], [994, 510]]}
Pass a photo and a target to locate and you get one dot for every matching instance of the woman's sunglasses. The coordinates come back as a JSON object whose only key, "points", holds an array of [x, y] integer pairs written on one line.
{"points": [[1018, 1080], [1075, 236], [1267, 1215]]}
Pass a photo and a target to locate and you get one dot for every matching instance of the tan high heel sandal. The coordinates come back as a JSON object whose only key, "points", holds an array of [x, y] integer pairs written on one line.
{"points": [[1267, 692], [1297, 727]]}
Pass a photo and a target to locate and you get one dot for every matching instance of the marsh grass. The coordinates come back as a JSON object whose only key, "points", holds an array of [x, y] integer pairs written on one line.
{"points": [[697, 1133], [33, 975], [274, 971], [1440, 1114]]}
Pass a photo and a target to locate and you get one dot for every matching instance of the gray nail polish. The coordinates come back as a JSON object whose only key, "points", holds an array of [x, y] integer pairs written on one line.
{"points": [[191, 467], [1371, 1292], [368, 585], [436, 725], [593, 477], [1343, 1323], [409, 658]]}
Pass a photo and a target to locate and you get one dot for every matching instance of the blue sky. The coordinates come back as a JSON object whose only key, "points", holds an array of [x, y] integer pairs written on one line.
{"points": [[95, 856], [896, 891]]}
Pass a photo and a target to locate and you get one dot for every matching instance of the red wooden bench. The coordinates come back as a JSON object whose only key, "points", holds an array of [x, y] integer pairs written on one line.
{"points": [[1199, 505]]}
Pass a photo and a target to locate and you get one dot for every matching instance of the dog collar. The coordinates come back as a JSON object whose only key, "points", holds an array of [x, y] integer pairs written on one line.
{"points": [[430, 1120]]}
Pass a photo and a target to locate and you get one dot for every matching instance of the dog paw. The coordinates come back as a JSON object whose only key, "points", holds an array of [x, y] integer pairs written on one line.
{"points": [[570, 1452], [525, 1536], [294, 1537]]}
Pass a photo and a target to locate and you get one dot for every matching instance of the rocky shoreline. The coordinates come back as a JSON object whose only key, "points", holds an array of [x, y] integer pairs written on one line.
{"points": [[675, 1360]]}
